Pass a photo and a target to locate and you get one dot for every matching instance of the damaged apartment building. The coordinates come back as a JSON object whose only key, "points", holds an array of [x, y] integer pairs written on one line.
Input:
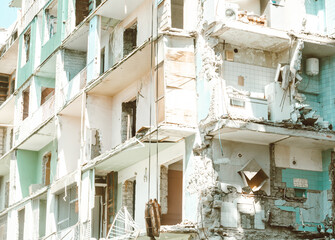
{"points": [[221, 110]]}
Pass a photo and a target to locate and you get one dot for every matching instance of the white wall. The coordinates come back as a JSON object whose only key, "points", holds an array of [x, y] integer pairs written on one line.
{"points": [[235, 156], [305, 158], [69, 143]]}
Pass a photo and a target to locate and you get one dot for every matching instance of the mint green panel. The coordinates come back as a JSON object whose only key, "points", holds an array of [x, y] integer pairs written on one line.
{"points": [[27, 165]]}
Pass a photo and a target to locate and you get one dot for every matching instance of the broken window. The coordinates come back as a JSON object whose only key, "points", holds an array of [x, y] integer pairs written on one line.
{"points": [[25, 95], [21, 214], [46, 94], [26, 45], [253, 175], [177, 14], [82, 10], [129, 39], [129, 196], [128, 121], [67, 208], [50, 21], [46, 169], [172, 188]]}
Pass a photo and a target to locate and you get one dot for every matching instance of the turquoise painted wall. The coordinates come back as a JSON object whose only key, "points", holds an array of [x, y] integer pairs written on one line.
{"points": [[27, 165], [47, 48], [317, 8], [327, 88], [26, 69], [317, 202], [30, 164], [310, 87], [93, 48]]}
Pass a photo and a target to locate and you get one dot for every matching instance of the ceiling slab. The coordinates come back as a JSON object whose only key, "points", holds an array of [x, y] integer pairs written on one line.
{"points": [[252, 36], [7, 111]]}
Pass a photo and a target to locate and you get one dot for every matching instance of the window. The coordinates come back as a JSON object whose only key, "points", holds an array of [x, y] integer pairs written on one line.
{"points": [[26, 45], [46, 94], [129, 39], [177, 13], [67, 208], [25, 95], [46, 169], [50, 21], [128, 128], [21, 214], [82, 10]]}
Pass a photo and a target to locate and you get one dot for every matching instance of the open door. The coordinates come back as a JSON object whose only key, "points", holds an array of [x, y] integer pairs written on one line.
{"points": [[111, 198]]}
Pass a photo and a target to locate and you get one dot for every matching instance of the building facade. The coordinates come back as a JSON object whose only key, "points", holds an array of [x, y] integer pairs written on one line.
{"points": [[222, 110]]}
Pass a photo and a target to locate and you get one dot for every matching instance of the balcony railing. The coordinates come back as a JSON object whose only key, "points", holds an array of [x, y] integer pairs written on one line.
{"points": [[43, 113]]}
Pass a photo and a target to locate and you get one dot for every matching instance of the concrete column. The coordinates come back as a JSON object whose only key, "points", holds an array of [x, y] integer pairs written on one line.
{"points": [[190, 201], [93, 49]]}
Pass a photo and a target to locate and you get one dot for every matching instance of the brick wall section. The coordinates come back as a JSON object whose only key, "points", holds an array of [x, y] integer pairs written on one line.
{"points": [[74, 62], [164, 189], [128, 196]]}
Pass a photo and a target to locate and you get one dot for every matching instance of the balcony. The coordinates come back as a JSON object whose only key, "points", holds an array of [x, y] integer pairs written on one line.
{"points": [[73, 88], [33, 122]]}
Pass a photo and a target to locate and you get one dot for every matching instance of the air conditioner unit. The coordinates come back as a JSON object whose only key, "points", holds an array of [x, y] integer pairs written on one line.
{"points": [[220, 11]]}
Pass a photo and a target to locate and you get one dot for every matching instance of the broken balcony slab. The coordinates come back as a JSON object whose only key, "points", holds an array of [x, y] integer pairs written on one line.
{"points": [[110, 82], [40, 138], [246, 35], [136, 149], [7, 111], [8, 61], [259, 133], [73, 107], [118, 9]]}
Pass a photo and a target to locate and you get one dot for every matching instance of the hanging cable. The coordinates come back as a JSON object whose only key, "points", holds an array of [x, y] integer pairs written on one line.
{"points": [[150, 96], [156, 101]]}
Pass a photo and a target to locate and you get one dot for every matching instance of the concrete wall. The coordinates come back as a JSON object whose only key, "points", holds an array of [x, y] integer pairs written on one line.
{"points": [[235, 157], [69, 145]]}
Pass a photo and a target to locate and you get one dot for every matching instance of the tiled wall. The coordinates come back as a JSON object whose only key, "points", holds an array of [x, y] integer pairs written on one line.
{"points": [[327, 88], [316, 8], [330, 16], [255, 77], [310, 87]]}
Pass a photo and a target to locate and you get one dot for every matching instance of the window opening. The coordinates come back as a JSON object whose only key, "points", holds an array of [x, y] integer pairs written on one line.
{"points": [[25, 111], [102, 61], [129, 39], [50, 21], [67, 208], [46, 169], [46, 94], [82, 10], [21, 214], [177, 13], [128, 128], [26, 40]]}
